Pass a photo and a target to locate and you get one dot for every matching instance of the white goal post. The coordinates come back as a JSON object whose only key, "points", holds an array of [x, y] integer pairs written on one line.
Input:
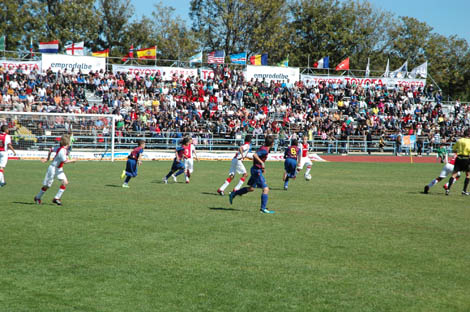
{"points": [[33, 133]]}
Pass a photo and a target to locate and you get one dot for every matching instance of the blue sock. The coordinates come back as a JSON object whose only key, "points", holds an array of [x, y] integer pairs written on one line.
{"points": [[241, 191], [264, 201], [128, 178], [286, 182], [179, 172], [169, 174]]}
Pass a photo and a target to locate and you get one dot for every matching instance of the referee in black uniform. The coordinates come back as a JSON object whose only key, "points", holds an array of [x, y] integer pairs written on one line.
{"points": [[462, 163]]}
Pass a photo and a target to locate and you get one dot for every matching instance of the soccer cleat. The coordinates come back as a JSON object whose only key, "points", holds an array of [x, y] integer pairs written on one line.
{"points": [[447, 191], [187, 181], [285, 187], [230, 197], [125, 185], [221, 193], [123, 174], [165, 181], [465, 193], [426, 189], [57, 201], [174, 178], [37, 200], [266, 211], [3, 184]]}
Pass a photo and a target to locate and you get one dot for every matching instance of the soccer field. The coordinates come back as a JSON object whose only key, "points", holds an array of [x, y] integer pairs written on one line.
{"points": [[357, 237]]}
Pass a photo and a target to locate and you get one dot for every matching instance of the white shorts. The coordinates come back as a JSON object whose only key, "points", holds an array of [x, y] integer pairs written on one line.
{"points": [[52, 173], [448, 169], [304, 161], [3, 159], [237, 166], [189, 164]]}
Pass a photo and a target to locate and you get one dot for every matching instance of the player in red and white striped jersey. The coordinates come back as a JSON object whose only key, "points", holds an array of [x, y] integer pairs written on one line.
{"points": [[237, 166], [305, 160], [5, 144], [56, 169], [446, 170]]}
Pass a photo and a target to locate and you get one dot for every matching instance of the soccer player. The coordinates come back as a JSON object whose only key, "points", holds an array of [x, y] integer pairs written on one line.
{"points": [[446, 170], [189, 151], [305, 160], [5, 144], [257, 179], [133, 161], [56, 169], [178, 161], [237, 166], [462, 163], [292, 156]]}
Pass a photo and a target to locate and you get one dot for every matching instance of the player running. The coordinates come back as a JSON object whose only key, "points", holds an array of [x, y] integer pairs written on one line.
{"points": [[292, 157], [446, 170], [237, 166], [305, 160], [133, 161], [178, 162], [189, 151], [257, 179], [5, 144], [56, 169]]}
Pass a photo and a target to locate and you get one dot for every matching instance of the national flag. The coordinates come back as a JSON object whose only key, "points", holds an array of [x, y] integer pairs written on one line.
{"points": [[196, 58], [284, 63], [259, 59], [239, 58], [49, 47], [387, 69], [31, 47], [75, 48], [420, 72], [148, 53], [322, 63], [400, 72], [130, 54], [217, 57], [368, 68], [2, 43], [104, 53], [344, 65]]}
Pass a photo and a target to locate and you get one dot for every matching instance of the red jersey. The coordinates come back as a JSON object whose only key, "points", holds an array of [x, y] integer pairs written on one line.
{"points": [[452, 161], [5, 139], [304, 148]]}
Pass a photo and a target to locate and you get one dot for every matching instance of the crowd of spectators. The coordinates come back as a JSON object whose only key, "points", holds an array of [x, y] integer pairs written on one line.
{"points": [[229, 105]]}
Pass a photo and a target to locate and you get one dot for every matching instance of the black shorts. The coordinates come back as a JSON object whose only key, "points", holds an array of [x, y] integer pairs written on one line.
{"points": [[462, 164]]}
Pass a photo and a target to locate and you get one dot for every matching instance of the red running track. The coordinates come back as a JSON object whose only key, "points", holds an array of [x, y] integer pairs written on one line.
{"points": [[375, 159]]}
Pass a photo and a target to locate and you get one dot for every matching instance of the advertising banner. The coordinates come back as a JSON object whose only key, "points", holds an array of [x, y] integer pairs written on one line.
{"points": [[166, 72], [60, 62], [272, 73], [25, 66], [387, 82]]}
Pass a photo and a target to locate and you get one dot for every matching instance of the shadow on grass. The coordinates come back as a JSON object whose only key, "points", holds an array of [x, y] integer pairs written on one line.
{"points": [[169, 182], [32, 203], [113, 185], [210, 193], [225, 209]]}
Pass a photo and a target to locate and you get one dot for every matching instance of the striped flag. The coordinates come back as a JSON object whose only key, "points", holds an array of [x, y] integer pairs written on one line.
{"points": [[49, 47], [217, 57], [239, 58], [104, 53], [196, 58]]}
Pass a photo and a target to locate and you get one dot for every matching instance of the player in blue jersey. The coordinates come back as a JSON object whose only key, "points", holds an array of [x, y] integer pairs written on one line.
{"points": [[133, 160], [257, 179], [178, 162], [292, 156]]}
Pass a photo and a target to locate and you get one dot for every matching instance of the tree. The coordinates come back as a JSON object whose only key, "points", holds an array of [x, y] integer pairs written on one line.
{"points": [[115, 15], [14, 16]]}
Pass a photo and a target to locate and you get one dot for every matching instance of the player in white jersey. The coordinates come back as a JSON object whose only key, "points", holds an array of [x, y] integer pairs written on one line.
{"points": [[189, 155], [305, 160], [237, 167], [446, 170], [56, 170], [5, 144]]}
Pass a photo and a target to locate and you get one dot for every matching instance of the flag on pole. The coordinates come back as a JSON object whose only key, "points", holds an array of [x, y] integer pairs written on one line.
{"points": [[75, 48], [2, 43], [420, 72], [259, 59], [130, 54], [284, 63], [322, 63], [148, 53], [344, 65], [217, 57], [49, 47], [400, 72], [368, 68], [104, 53], [387, 69], [196, 58], [239, 58]]}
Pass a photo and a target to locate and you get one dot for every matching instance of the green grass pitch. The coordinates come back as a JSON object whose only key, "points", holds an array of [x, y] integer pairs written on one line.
{"points": [[358, 237]]}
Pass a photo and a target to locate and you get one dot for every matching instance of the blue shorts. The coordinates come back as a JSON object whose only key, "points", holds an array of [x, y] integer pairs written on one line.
{"points": [[131, 168], [177, 165], [290, 165], [257, 179]]}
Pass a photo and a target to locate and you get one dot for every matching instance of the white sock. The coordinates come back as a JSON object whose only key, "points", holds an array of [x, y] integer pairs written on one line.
{"points": [[240, 183], [60, 192], [308, 170], [226, 183], [2, 176]]}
